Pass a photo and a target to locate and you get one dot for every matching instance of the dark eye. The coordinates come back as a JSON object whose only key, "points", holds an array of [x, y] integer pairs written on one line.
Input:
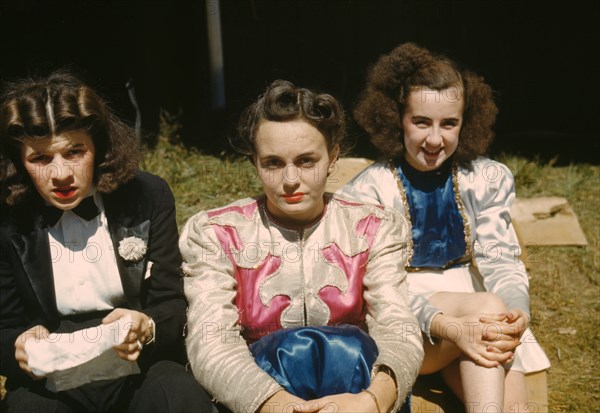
{"points": [[73, 153], [421, 123], [307, 162], [450, 123], [40, 159], [271, 164]]}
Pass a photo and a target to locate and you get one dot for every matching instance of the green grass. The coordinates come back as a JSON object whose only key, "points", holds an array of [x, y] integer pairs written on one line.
{"points": [[199, 181], [564, 280], [564, 284]]}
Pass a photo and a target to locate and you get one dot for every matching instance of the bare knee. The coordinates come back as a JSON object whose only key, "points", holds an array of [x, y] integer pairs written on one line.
{"points": [[488, 303], [438, 356]]}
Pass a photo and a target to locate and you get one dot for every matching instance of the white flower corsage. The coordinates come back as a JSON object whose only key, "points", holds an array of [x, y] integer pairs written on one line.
{"points": [[132, 248]]}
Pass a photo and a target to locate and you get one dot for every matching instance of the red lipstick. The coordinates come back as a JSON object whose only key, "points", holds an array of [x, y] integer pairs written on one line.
{"points": [[293, 198], [65, 192]]}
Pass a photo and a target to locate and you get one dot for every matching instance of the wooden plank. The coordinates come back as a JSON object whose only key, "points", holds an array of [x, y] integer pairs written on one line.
{"points": [[344, 170], [537, 391], [431, 395]]}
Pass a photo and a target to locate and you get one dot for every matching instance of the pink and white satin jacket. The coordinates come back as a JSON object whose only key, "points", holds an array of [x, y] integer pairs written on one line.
{"points": [[246, 275]]}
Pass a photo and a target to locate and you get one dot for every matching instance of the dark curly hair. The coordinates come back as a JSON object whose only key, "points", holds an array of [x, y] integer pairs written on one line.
{"points": [[40, 107], [282, 102], [409, 67]]}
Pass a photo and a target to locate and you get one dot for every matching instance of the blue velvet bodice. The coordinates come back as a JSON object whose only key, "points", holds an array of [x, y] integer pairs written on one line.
{"points": [[438, 230]]}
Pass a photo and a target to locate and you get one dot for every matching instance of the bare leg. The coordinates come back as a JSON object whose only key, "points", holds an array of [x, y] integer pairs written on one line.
{"points": [[451, 376], [515, 393], [483, 387], [438, 356], [480, 388]]}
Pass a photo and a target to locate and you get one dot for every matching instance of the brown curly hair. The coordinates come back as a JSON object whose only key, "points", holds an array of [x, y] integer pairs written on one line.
{"points": [[282, 102], [409, 67], [42, 107]]}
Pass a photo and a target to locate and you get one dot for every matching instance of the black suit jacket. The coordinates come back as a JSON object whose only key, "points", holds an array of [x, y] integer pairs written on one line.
{"points": [[144, 207]]}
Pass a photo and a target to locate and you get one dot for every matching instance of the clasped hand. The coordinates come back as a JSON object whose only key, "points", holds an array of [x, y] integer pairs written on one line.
{"points": [[284, 402], [140, 331], [492, 338]]}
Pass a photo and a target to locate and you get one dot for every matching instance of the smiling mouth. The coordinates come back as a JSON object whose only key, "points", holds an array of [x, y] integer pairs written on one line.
{"points": [[65, 192], [432, 153]]}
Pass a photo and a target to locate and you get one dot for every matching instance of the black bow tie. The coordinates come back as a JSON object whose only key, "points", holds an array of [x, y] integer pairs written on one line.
{"points": [[86, 209]]}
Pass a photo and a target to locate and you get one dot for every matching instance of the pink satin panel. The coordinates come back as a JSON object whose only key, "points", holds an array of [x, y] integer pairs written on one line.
{"points": [[350, 203], [255, 318], [346, 202], [246, 210], [349, 308], [229, 238]]}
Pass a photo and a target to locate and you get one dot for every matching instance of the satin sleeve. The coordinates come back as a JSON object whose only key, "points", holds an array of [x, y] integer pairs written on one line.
{"points": [[373, 185], [497, 250], [376, 184], [389, 319], [219, 356]]}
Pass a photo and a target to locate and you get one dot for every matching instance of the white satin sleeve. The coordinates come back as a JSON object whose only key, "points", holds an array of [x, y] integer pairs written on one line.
{"points": [[390, 321], [497, 250], [218, 354], [376, 184]]}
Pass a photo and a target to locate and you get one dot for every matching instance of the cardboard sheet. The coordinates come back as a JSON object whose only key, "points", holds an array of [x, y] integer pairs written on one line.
{"points": [[546, 221]]}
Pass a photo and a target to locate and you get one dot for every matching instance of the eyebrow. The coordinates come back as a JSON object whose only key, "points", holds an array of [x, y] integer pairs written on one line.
{"points": [[427, 117], [311, 153], [73, 146]]}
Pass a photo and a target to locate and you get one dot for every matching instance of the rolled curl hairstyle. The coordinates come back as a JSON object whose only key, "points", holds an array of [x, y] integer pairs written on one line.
{"points": [[283, 102], [44, 107], [407, 69]]}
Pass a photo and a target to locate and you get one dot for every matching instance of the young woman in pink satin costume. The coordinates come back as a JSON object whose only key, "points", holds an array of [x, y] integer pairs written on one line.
{"points": [[432, 121], [298, 298]]}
